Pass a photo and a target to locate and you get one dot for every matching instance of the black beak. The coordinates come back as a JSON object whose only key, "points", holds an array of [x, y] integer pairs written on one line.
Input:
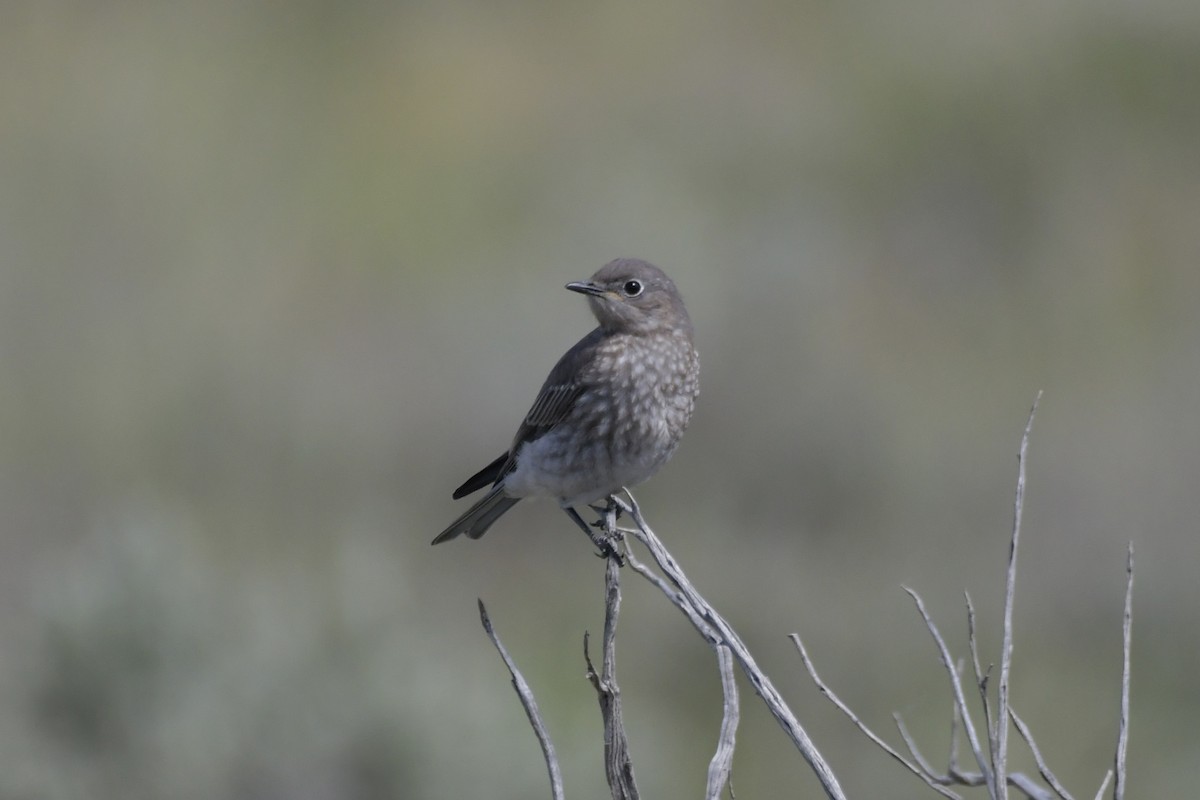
{"points": [[585, 287]]}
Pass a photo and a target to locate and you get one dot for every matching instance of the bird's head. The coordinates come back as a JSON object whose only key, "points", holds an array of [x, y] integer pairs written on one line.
{"points": [[631, 296]]}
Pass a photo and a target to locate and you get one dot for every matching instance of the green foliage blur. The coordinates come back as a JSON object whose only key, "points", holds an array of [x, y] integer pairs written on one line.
{"points": [[276, 277]]}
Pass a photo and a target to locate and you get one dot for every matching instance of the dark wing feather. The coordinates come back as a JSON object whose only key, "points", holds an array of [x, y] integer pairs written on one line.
{"points": [[485, 477], [563, 386], [551, 405]]}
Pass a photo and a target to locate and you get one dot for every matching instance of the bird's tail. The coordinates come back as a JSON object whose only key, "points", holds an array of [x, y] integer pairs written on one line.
{"points": [[479, 517]]}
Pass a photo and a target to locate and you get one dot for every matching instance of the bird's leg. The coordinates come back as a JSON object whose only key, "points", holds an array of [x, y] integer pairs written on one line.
{"points": [[609, 514], [611, 508], [602, 541]]}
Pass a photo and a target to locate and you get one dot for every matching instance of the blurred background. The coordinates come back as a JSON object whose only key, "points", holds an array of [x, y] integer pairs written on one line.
{"points": [[275, 278]]}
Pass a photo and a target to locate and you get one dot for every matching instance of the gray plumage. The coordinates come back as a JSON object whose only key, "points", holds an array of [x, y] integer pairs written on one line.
{"points": [[613, 408]]}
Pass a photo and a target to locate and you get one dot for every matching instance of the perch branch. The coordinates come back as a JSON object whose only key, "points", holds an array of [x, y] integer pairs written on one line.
{"points": [[722, 761], [714, 623], [618, 768], [677, 598]]}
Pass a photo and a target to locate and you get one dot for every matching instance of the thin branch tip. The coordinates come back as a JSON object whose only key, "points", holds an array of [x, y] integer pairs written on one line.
{"points": [[528, 703], [1119, 758], [483, 615]]}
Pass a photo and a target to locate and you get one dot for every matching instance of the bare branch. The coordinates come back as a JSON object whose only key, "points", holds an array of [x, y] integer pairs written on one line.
{"points": [[1126, 645], [955, 684], [676, 598], [722, 761], [993, 773], [981, 678], [618, 768], [1049, 776], [670, 579], [958, 777], [926, 768], [715, 623], [954, 721], [955, 775], [924, 774], [1000, 752], [530, 706], [1028, 787]]}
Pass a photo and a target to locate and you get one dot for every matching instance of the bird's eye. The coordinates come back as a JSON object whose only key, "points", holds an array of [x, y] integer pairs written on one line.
{"points": [[632, 288]]}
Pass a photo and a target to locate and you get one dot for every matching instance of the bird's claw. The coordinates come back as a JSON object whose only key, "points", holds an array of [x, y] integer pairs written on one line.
{"points": [[604, 540], [606, 550]]}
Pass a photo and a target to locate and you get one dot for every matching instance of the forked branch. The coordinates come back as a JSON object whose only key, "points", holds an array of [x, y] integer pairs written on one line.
{"points": [[989, 753], [993, 765]]}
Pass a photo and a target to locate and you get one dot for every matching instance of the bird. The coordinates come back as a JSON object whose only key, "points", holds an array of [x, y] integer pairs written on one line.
{"points": [[610, 413]]}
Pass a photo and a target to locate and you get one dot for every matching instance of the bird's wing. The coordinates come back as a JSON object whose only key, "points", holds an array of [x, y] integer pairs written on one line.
{"points": [[563, 386], [552, 404]]}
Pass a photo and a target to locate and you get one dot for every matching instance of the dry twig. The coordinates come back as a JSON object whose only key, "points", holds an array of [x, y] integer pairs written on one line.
{"points": [[921, 769], [981, 677], [1126, 646], [1043, 768], [960, 702], [530, 706], [709, 623], [993, 771], [674, 584], [618, 768], [721, 765], [1000, 751]]}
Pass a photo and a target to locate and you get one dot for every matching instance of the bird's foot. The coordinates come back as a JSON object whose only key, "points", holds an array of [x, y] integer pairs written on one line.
{"points": [[606, 539], [606, 548]]}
